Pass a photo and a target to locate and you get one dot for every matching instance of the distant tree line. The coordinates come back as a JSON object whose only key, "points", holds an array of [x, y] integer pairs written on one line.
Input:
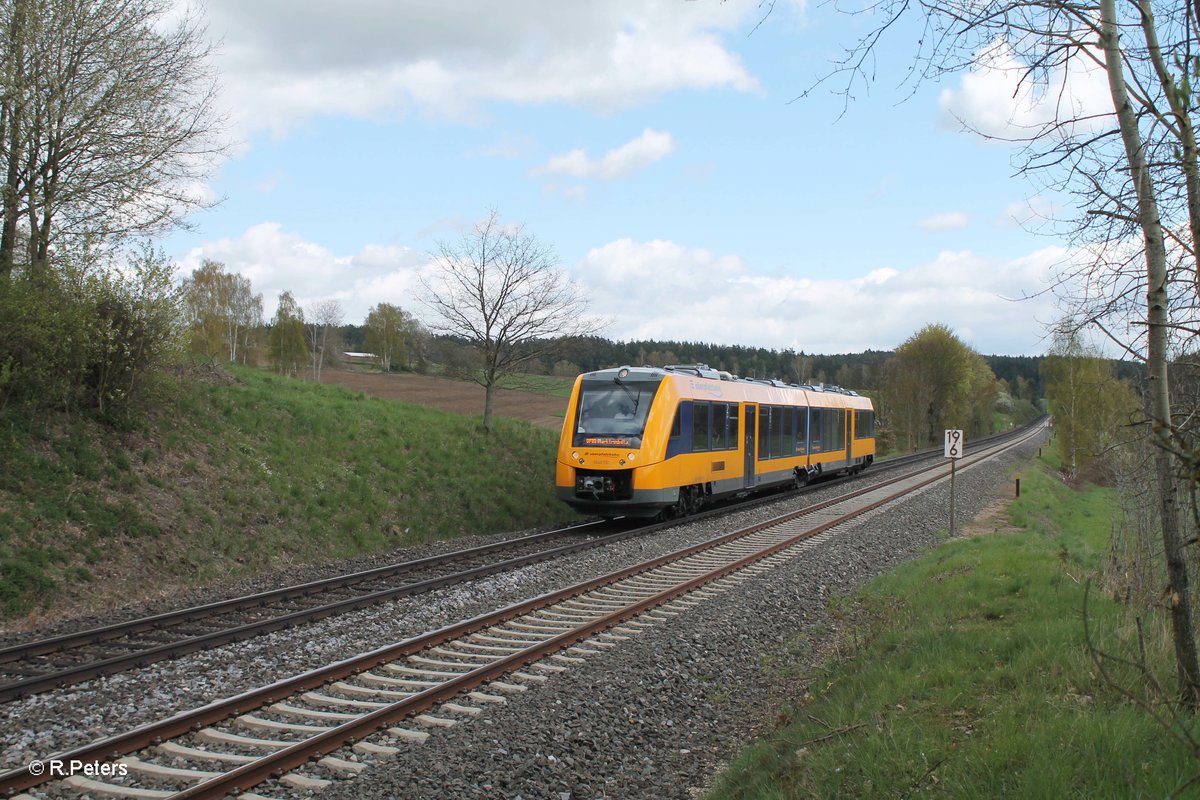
{"points": [[931, 382], [857, 371]]}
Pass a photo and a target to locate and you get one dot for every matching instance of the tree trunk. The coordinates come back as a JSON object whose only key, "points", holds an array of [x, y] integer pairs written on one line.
{"points": [[1180, 100], [13, 119], [489, 395], [1158, 390]]}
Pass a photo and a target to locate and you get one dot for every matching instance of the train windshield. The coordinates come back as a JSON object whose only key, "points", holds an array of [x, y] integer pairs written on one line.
{"points": [[613, 414]]}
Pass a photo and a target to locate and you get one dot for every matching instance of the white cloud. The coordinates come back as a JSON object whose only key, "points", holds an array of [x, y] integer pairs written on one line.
{"points": [[276, 261], [620, 162], [664, 290], [286, 61], [997, 97], [949, 221]]}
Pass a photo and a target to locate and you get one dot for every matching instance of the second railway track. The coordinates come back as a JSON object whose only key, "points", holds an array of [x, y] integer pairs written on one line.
{"points": [[45, 664], [439, 666]]}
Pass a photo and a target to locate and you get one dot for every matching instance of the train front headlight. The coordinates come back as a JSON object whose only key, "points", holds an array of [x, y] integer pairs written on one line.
{"points": [[631, 456]]}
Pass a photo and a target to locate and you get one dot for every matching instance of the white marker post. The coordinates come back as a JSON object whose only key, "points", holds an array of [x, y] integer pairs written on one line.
{"points": [[954, 451]]}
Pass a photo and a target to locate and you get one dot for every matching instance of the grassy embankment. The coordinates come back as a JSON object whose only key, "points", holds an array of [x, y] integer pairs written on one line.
{"points": [[966, 674], [244, 475]]}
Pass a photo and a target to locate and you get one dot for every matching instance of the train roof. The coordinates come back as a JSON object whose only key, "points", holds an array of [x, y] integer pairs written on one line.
{"points": [[648, 372]]}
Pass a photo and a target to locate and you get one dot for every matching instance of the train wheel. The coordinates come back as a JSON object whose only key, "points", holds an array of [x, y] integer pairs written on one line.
{"points": [[691, 499]]}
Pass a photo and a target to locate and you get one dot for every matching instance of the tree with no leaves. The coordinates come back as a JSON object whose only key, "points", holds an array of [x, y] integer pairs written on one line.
{"points": [[325, 317], [498, 287], [1133, 168]]}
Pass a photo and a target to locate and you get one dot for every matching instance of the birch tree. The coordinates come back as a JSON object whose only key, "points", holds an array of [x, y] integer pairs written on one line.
{"points": [[325, 317], [390, 333], [1132, 170], [221, 312], [1094, 412], [285, 341]]}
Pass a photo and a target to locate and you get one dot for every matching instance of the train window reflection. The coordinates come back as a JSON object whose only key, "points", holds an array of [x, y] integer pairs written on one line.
{"points": [[615, 409]]}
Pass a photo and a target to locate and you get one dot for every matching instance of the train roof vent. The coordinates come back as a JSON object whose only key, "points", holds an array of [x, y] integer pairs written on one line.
{"points": [[700, 370], [725, 376], [830, 388]]}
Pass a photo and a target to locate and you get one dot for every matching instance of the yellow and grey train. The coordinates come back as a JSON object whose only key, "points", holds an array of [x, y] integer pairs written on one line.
{"points": [[645, 441]]}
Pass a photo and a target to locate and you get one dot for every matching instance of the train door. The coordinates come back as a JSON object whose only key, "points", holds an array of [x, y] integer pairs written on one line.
{"points": [[750, 439], [849, 423]]}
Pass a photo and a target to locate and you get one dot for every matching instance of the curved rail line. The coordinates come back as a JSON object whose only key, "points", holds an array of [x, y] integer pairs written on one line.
{"points": [[46, 664], [63, 660], [453, 669]]}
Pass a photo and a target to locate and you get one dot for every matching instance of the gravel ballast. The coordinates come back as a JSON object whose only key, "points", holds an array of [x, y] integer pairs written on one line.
{"points": [[654, 717]]}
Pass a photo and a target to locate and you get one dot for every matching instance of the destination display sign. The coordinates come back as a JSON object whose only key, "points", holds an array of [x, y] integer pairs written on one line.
{"points": [[608, 441]]}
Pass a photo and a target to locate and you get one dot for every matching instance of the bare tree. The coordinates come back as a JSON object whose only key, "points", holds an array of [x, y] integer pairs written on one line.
{"points": [[1132, 168], [106, 119], [324, 317], [498, 287]]}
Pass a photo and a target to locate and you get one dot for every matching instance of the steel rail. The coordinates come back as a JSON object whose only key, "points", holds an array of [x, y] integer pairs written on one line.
{"points": [[94, 669], [189, 721], [87, 670], [193, 613], [251, 774]]}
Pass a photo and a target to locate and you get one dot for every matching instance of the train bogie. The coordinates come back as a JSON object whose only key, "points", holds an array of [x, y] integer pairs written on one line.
{"points": [[644, 441]]}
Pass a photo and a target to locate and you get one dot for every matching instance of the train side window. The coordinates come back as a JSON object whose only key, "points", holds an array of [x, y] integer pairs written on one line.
{"points": [[801, 431], [835, 429], [815, 429], [788, 447], [864, 424], [719, 413], [680, 440], [735, 436], [675, 443], [777, 431], [764, 431], [700, 426]]}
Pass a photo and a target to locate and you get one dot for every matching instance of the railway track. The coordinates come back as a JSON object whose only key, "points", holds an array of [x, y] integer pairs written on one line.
{"points": [[51, 663], [45, 664], [281, 736]]}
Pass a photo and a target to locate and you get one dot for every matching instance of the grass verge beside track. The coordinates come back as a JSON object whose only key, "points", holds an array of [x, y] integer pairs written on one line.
{"points": [[965, 674], [244, 472]]}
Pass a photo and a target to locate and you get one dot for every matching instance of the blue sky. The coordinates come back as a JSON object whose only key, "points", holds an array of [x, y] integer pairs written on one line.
{"points": [[656, 145]]}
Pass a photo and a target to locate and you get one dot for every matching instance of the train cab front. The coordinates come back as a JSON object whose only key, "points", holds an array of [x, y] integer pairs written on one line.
{"points": [[609, 436]]}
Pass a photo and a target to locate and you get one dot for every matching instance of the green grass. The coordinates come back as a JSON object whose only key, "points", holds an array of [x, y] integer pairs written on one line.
{"points": [[965, 675], [260, 474]]}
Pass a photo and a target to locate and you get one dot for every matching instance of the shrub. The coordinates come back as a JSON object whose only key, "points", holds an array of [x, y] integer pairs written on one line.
{"points": [[72, 340]]}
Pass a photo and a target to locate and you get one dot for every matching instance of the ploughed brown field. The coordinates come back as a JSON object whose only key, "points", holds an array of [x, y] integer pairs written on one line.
{"points": [[459, 397]]}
